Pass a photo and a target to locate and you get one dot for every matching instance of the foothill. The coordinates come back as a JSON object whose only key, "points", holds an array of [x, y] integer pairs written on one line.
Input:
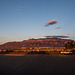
{"points": [[39, 46]]}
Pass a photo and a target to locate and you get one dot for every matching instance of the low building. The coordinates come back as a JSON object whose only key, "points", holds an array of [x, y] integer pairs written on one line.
{"points": [[45, 44]]}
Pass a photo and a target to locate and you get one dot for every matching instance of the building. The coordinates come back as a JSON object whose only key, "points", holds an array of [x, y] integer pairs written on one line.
{"points": [[42, 44]]}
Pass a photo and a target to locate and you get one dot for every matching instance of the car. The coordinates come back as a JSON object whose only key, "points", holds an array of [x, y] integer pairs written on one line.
{"points": [[66, 52]]}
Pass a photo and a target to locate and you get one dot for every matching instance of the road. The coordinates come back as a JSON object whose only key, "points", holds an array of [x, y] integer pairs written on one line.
{"points": [[37, 65]]}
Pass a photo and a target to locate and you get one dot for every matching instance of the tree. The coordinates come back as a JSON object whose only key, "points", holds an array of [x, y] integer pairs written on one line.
{"points": [[70, 45], [74, 44]]}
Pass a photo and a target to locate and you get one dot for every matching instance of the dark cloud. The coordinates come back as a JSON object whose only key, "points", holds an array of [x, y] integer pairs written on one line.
{"points": [[60, 36], [51, 22]]}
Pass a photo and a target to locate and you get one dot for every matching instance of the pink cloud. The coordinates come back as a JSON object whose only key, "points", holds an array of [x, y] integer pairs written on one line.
{"points": [[51, 22], [57, 27], [66, 34]]}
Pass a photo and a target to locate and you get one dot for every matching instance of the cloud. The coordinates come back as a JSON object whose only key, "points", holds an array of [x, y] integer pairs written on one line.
{"points": [[51, 22], [57, 27], [57, 36], [66, 34], [18, 8], [63, 34]]}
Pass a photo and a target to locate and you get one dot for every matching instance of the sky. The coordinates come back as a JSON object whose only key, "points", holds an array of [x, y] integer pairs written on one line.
{"points": [[25, 19]]}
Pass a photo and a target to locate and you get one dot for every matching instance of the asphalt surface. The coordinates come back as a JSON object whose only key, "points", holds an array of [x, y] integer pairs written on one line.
{"points": [[37, 65]]}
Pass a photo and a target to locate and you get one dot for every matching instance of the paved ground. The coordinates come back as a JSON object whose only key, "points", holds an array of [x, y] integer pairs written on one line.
{"points": [[37, 65]]}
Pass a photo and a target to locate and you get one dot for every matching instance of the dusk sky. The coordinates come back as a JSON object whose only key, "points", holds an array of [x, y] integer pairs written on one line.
{"points": [[25, 19]]}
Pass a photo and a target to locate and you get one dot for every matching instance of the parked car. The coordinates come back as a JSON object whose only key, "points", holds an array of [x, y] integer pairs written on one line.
{"points": [[66, 52]]}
